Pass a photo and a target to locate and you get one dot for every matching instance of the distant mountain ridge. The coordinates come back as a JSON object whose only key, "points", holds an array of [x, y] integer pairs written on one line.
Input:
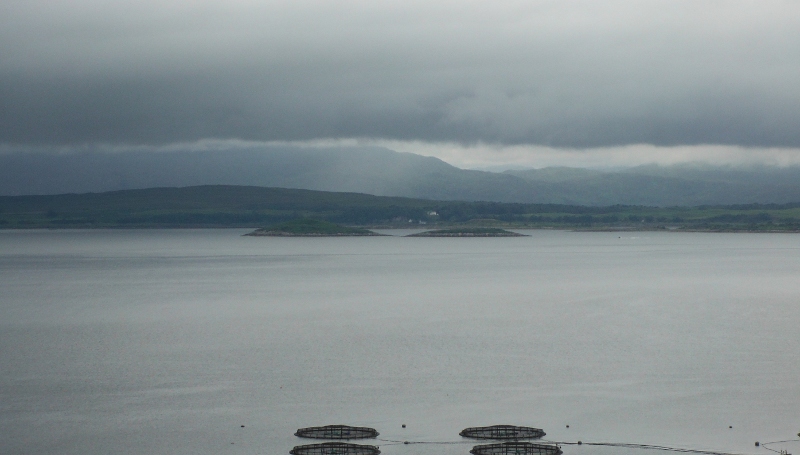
{"points": [[678, 185], [383, 172]]}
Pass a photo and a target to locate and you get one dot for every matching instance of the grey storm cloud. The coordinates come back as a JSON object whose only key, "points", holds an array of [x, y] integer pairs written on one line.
{"points": [[555, 73]]}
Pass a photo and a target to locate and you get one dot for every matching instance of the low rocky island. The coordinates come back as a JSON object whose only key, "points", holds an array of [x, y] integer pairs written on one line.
{"points": [[305, 227], [468, 232]]}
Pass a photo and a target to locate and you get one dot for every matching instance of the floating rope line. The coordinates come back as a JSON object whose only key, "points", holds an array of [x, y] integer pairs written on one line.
{"points": [[393, 442], [765, 444], [646, 447], [606, 444]]}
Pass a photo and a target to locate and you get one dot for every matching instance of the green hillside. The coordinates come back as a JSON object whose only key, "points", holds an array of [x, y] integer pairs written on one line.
{"points": [[241, 206], [383, 172]]}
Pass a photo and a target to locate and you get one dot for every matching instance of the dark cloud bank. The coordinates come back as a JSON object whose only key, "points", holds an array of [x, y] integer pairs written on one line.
{"points": [[565, 74]]}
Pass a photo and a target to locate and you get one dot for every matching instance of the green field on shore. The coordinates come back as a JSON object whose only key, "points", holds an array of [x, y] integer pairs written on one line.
{"points": [[241, 206]]}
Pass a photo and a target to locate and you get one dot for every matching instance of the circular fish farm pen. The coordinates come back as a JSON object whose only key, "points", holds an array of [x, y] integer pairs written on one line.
{"points": [[335, 448], [516, 448], [337, 432], [502, 432]]}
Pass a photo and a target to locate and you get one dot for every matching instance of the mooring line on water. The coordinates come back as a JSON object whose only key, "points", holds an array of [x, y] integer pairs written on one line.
{"points": [[606, 444], [396, 442], [765, 444], [653, 447]]}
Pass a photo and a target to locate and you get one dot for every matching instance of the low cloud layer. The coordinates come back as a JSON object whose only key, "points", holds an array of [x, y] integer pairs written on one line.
{"points": [[573, 75]]}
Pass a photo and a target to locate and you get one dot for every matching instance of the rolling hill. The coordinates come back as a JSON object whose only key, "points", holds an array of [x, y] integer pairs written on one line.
{"points": [[382, 172]]}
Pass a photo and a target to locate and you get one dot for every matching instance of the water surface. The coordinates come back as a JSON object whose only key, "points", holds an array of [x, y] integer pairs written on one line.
{"points": [[167, 341]]}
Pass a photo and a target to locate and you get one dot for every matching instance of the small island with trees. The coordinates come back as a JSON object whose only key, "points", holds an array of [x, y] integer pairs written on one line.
{"points": [[307, 227], [468, 232]]}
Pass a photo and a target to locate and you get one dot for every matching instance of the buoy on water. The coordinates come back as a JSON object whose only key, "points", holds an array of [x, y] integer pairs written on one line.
{"points": [[404, 425]]}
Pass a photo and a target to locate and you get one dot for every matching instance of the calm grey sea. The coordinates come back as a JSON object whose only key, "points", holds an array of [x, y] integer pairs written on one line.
{"points": [[167, 341]]}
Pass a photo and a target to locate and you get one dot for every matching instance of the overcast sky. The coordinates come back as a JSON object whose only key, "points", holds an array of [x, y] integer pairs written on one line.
{"points": [[474, 81]]}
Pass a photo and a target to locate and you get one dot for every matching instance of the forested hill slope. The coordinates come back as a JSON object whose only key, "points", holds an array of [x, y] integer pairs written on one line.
{"points": [[240, 206], [383, 172]]}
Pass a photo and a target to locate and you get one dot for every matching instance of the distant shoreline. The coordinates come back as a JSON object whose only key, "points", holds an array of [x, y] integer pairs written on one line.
{"points": [[387, 228], [255, 207]]}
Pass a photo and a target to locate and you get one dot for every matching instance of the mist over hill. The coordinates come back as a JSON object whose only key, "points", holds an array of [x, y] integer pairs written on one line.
{"points": [[677, 185], [383, 172]]}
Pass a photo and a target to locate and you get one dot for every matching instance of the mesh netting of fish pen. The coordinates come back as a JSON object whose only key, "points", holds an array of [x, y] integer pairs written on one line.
{"points": [[516, 448], [502, 432], [335, 448], [337, 432]]}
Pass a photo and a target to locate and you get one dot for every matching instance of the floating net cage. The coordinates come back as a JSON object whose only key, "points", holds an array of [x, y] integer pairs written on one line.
{"points": [[337, 432], [335, 448], [502, 432], [516, 448]]}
